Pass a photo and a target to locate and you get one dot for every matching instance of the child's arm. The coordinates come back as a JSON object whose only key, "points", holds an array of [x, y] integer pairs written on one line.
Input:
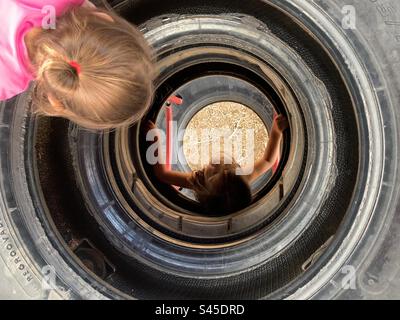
{"points": [[271, 154], [176, 178]]}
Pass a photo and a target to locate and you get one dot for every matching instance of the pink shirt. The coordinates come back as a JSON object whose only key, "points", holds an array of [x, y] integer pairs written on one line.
{"points": [[17, 18]]}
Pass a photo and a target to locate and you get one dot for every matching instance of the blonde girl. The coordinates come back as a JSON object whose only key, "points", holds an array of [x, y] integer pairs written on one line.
{"points": [[93, 68]]}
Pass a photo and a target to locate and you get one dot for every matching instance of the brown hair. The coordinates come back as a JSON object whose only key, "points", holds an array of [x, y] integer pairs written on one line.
{"points": [[115, 85], [226, 194]]}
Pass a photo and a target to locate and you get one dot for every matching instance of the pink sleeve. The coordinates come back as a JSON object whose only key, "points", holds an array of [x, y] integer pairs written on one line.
{"points": [[59, 5]]}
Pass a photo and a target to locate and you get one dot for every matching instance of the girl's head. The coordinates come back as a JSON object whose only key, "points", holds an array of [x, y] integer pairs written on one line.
{"points": [[221, 190], [94, 69]]}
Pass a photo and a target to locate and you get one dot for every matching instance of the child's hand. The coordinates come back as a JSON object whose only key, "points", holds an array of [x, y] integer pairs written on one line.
{"points": [[280, 124], [149, 126]]}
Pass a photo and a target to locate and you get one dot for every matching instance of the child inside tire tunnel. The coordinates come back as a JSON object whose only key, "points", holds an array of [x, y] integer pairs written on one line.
{"points": [[221, 188], [90, 65]]}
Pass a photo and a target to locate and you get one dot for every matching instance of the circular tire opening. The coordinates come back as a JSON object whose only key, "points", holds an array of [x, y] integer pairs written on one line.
{"points": [[129, 204], [220, 116]]}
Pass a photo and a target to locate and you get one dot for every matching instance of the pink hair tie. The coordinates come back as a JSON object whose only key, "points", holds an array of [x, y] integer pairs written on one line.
{"points": [[76, 66]]}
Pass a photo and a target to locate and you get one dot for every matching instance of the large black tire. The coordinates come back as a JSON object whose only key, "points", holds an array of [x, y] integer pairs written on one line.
{"points": [[366, 237]]}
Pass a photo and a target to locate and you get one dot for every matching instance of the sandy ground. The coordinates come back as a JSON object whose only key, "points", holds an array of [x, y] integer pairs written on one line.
{"points": [[220, 126]]}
